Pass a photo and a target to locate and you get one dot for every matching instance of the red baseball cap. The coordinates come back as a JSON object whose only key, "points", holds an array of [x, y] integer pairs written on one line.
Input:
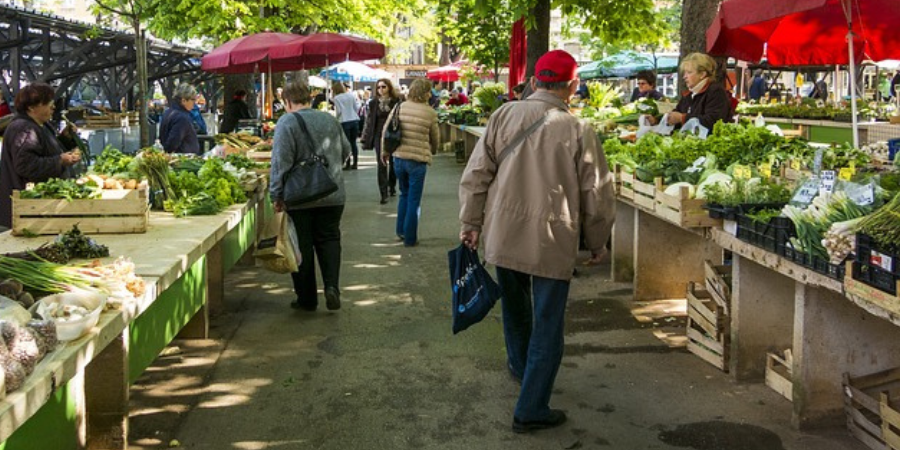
{"points": [[560, 63]]}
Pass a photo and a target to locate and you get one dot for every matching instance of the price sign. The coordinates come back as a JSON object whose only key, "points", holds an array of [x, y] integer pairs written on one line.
{"points": [[805, 195], [828, 177], [742, 172], [846, 173], [765, 170], [861, 195], [795, 164]]}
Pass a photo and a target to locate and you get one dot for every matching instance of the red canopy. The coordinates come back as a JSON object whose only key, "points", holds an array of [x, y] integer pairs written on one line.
{"points": [[322, 49], [518, 55], [247, 54], [446, 73], [805, 32]]}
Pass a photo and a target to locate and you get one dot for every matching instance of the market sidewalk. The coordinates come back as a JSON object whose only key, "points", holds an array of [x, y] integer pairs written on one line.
{"points": [[385, 372]]}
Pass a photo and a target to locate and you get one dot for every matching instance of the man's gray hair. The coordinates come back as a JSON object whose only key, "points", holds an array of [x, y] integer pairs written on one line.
{"points": [[552, 86], [185, 92]]}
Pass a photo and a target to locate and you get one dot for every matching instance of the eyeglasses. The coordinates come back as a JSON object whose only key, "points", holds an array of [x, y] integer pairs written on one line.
{"points": [[382, 87], [642, 83]]}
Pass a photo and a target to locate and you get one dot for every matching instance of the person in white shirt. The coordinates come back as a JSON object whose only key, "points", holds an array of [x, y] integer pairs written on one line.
{"points": [[346, 106]]}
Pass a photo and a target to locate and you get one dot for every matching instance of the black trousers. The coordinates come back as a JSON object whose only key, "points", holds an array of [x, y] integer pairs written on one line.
{"points": [[387, 178], [319, 232], [351, 130]]}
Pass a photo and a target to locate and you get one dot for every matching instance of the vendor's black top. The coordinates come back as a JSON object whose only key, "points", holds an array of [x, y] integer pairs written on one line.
{"points": [[235, 110], [710, 106], [176, 132], [652, 93], [30, 155]]}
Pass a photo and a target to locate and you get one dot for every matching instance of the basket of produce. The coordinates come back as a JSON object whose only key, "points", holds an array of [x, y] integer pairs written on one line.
{"points": [[74, 313]]}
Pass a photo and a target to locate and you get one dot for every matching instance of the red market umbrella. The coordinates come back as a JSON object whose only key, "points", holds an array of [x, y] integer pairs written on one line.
{"points": [[250, 53], [446, 73], [518, 55], [805, 32], [323, 49], [808, 32]]}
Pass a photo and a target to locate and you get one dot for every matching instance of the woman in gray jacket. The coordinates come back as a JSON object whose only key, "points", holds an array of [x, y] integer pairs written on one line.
{"points": [[318, 223]]}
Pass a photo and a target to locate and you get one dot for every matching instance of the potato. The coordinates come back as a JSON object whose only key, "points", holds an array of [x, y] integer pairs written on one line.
{"points": [[131, 184]]}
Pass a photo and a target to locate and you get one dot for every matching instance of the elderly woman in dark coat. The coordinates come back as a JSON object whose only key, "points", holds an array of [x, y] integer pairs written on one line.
{"points": [[176, 132], [31, 151]]}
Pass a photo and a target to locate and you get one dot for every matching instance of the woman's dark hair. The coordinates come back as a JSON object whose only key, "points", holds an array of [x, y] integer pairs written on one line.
{"points": [[390, 87], [33, 95], [296, 93], [649, 76]]}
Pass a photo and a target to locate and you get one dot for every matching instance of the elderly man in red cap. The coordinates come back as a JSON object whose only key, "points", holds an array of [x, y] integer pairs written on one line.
{"points": [[535, 181]]}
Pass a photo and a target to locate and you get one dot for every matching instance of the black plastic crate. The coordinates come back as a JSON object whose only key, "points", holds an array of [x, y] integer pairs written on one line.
{"points": [[874, 276], [721, 212], [825, 267], [773, 236], [870, 253]]}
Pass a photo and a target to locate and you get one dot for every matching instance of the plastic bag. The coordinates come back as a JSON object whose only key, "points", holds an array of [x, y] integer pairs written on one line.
{"points": [[662, 127], [277, 246], [693, 126], [474, 291]]}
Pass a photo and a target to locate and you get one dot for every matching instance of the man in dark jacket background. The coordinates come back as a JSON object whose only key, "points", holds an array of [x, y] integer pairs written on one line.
{"points": [[235, 110]]}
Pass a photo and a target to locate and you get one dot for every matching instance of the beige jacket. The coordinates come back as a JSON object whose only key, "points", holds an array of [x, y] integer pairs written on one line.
{"points": [[531, 208], [419, 134]]}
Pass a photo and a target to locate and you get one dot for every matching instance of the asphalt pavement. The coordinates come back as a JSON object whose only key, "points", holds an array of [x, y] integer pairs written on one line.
{"points": [[386, 372]]}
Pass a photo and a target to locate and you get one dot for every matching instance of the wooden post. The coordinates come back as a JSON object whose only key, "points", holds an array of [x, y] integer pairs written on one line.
{"points": [[106, 396], [762, 305], [833, 336], [623, 243], [666, 257]]}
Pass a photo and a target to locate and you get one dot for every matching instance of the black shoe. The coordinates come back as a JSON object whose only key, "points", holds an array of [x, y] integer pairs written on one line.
{"points": [[393, 193], [383, 200], [304, 306], [555, 419], [332, 298]]}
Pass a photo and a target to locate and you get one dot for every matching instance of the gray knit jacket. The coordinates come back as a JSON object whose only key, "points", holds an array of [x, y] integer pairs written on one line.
{"points": [[290, 144]]}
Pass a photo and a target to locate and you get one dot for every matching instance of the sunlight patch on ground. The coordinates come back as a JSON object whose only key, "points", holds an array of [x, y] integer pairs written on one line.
{"points": [[673, 337], [357, 287], [148, 442], [389, 244], [366, 302], [394, 257], [257, 445], [226, 401], [370, 266], [647, 312]]}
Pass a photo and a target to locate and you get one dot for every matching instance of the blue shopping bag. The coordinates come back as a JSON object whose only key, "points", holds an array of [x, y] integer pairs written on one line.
{"points": [[474, 291]]}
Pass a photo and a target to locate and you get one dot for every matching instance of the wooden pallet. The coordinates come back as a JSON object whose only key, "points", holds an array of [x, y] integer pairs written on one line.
{"points": [[117, 211], [708, 328], [681, 209], [869, 404], [718, 284], [779, 374]]}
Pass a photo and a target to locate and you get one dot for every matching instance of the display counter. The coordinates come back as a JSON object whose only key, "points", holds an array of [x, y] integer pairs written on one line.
{"points": [[776, 305], [79, 393]]}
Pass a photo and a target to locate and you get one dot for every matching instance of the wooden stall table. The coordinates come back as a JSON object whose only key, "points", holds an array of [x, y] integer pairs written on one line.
{"points": [[80, 391]]}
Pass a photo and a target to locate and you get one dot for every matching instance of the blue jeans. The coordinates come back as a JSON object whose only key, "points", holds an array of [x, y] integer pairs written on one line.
{"points": [[411, 177], [534, 336]]}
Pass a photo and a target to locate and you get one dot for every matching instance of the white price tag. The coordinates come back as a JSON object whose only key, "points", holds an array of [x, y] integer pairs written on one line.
{"points": [[863, 196], [828, 177], [805, 195]]}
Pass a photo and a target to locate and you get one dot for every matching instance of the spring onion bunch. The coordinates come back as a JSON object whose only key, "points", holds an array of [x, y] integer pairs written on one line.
{"points": [[814, 222], [42, 276]]}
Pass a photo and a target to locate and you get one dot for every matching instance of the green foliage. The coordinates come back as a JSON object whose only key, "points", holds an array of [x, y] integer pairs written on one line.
{"points": [[743, 192], [613, 26], [603, 95], [479, 28], [62, 189], [489, 97], [112, 161]]}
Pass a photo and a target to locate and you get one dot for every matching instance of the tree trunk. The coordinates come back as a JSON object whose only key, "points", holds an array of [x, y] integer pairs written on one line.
{"points": [[140, 46], [538, 38], [696, 17]]}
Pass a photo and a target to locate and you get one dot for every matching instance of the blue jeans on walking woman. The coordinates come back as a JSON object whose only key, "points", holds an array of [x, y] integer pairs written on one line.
{"points": [[411, 177], [534, 336]]}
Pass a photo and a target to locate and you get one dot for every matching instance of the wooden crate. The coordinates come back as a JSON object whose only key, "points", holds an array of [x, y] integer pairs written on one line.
{"points": [[640, 193], [869, 402], [117, 211], [718, 284], [681, 209], [260, 156], [708, 328], [779, 374], [871, 294]]}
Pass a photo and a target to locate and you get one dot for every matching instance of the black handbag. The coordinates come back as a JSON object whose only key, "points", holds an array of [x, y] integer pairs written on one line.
{"points": [[392, 134], [308, 179]]}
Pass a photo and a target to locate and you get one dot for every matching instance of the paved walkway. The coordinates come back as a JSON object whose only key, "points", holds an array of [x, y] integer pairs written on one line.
{"points": [[385, 372]]}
